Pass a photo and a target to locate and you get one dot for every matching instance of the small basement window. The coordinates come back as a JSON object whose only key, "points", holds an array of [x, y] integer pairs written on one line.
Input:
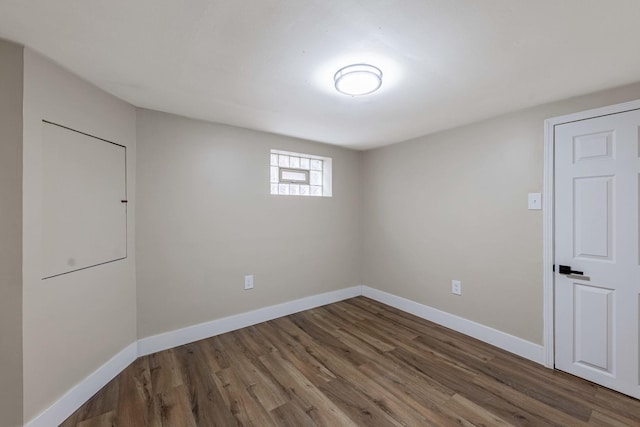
{"points": [[297, 174]]}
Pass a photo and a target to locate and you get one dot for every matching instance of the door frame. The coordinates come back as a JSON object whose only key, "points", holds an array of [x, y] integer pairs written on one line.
{"points": [[548, 244]]}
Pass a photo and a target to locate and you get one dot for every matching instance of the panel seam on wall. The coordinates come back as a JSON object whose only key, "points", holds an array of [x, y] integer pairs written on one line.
{"points": [[83, 133]]}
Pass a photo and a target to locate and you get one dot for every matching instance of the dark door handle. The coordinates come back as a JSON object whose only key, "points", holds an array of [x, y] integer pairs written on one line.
{"points": [[565, 269]]}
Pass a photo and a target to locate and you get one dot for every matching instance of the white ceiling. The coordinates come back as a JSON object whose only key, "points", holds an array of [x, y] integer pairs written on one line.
{"points": [[269, 64]]}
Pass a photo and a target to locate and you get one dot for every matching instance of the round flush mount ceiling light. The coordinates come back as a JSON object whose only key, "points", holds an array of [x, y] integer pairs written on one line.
{"points": [[358, 79]]}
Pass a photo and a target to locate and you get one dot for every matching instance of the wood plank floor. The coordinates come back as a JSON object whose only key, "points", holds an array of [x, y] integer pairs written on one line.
{"points": [[353, 363]]}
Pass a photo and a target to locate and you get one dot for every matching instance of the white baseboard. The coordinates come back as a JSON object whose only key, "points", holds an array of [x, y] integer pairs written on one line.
{"points": [[193, 333], [81, 392], [84, 390], [505, 341]]}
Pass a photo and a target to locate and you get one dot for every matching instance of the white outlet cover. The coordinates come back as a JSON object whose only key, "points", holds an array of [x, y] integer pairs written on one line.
{"points": [[456, 287], [248, 282], [535, 201]]}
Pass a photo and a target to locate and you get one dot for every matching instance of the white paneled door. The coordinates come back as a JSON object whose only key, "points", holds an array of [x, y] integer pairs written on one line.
{"points": [[597, 263]]}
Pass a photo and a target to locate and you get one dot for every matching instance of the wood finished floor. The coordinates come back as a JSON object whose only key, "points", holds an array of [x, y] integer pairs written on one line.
{"points": [[352, 363]]}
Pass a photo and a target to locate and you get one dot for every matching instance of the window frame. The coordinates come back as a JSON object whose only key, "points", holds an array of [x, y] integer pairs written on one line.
{"points": [[326, 170], [282, 170]]}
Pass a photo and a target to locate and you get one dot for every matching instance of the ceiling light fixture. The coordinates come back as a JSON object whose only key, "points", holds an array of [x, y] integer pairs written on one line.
{"points": [[358, 79]]}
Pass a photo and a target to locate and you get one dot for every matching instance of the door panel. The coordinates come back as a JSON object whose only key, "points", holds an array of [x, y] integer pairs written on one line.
{"points": [[593, 222], [593, 319], [597, 181], [593, 147]]}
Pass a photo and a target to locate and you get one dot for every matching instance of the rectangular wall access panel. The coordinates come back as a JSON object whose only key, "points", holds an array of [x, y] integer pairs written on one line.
{"points": [[84, 201]]}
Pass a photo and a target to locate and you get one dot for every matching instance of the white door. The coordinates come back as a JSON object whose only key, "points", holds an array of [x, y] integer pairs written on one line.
{"points": [[597, 175]]}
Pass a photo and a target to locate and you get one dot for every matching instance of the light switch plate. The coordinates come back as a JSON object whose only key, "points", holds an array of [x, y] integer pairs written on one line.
{"points": [[535, 201]]}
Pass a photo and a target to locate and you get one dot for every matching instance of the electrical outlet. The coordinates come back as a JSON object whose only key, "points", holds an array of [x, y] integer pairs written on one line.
{"points": [[248, 281], [456, 287]]}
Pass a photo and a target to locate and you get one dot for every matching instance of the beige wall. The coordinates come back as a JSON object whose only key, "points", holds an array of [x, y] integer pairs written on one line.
{"points": [[73, 323], [205, 219], [405, 219], [453, 205], [11, 64]]}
